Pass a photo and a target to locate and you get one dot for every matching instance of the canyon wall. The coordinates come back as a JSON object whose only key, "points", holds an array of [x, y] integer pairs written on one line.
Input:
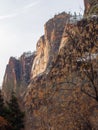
{"points": [[55, 99], [48, 45], [17, 74], [91, 7], [49, 86]]}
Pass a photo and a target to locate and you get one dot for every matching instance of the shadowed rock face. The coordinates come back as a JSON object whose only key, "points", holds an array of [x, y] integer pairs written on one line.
{"points": [[87, 6], [17, 74], [91, 7], [51, 103]]}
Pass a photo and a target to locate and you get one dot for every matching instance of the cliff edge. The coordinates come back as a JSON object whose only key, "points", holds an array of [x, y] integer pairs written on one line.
{"points": [[58, 82]]}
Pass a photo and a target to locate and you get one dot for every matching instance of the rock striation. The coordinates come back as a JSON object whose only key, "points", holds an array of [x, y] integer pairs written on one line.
{"points": [[17, 74], [50, 92], [91, 7], [52, 101], [48, 45]]}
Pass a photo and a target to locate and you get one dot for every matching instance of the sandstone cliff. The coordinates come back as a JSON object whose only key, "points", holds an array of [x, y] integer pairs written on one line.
{"points": [[17, 74], [51, 79], [48, 45], [91, 7], [56, 103]]}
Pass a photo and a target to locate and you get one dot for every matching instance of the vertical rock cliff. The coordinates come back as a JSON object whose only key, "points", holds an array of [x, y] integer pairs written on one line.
{"points": [[48, 84], [20, 71], [52, 100], [48, 45], [17, 74]]}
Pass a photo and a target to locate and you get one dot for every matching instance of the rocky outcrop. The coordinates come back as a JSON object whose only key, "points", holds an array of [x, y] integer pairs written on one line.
{"points": [[40, 61], [17, 74], [48, 45], [52, 96], [52, 100], [91, 7]]}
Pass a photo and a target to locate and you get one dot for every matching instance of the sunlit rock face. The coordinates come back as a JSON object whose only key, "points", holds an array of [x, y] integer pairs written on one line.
{"points": [[41, 79], [48, 45], [20, 72], [54, 29], [40, 61], [51, 103]]}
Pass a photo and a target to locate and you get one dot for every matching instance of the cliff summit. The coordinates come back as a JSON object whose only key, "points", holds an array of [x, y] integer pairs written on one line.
{"points": [[58, 83]]}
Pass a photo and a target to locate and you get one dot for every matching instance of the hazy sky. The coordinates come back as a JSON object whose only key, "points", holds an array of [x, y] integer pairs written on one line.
{"points": [[22, 23]]}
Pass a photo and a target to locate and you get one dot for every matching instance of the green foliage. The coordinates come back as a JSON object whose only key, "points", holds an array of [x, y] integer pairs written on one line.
{"points": [[2, 106], [15, 116], [12, 112]]}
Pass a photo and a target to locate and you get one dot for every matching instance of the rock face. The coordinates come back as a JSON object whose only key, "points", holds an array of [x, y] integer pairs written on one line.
{"points": [[52, 102], [17, 74], [56, 104], [40, 61], [48, 45], [91, 7]]}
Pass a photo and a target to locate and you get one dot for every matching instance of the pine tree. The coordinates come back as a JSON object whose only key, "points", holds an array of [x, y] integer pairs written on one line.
{"points": [[1, 104], [15, 116], [4, 124]]}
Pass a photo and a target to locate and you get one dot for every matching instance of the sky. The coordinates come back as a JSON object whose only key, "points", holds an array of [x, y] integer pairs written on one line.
{"points": [[22, 23]]}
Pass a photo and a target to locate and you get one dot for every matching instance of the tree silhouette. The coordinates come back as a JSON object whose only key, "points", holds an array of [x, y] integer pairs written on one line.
{"points": [[15, 116], [2, 106]]}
